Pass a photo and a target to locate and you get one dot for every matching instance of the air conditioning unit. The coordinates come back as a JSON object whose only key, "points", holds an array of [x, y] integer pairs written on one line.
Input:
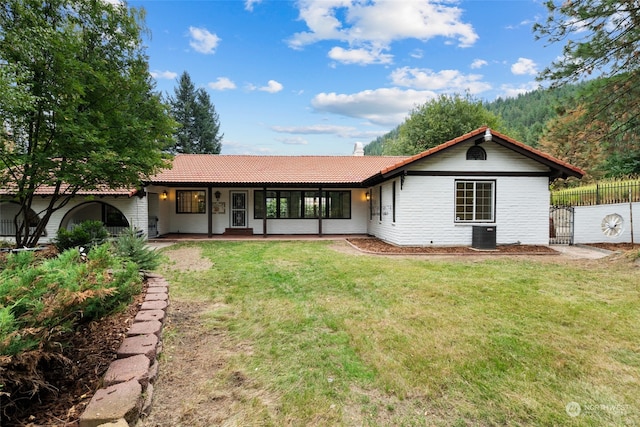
{"points": [[483, 237]]}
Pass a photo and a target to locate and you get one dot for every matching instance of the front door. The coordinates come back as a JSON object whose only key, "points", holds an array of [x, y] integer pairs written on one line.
{"points": [[238, 209]]}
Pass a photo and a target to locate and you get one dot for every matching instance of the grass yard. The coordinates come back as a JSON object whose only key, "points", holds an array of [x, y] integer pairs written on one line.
{"points": [[336, 338]]}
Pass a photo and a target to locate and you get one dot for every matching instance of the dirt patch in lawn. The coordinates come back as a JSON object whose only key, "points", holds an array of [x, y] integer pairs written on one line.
{"points": [[198, 384], [188, 258]]}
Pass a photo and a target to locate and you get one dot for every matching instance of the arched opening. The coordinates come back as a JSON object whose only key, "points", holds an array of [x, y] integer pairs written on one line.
{"points": [[476, 153], [110, 216], [8, 212]]}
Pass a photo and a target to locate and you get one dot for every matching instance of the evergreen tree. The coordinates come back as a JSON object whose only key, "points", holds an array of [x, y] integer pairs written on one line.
{"points": [[601, 40], [199, 124]]}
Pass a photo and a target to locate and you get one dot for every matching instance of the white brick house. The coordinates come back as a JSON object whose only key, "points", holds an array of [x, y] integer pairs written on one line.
{"points": [[481, 179]]}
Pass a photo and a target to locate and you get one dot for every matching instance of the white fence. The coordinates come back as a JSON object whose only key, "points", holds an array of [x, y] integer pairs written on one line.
{"points": [[607, 223]]}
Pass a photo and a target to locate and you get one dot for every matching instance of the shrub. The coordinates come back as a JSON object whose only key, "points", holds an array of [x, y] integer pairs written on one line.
{"points": [[87, 234], [38, 300], [131, 246]]}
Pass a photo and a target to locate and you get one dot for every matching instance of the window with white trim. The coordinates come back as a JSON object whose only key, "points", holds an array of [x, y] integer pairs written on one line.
{"points": [[475, 201]]}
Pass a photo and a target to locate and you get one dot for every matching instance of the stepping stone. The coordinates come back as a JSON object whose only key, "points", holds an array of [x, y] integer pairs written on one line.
{"points": [[157, 282], [144, 328], [140, 344], [146, 315], [118, 401], [158, 290], [154, 305], [130, 368], [157, 297]]}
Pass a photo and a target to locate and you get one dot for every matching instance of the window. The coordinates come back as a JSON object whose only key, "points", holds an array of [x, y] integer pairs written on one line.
{"points": [[191, 201], [476, 153], [474, 201], [302, 204], [393, 200], [112, 217]]}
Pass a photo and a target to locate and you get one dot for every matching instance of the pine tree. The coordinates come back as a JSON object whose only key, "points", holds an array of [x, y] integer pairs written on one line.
{"points": [[199, 124]]}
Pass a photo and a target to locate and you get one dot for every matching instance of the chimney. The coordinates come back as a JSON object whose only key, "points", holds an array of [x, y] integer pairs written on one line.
{"points": [[358, 150]]}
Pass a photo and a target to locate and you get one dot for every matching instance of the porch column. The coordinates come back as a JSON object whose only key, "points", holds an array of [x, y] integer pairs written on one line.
{"points": [[320, 211], [264, 212], [210, 211]]}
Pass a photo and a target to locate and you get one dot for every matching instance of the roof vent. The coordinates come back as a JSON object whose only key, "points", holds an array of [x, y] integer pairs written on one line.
{"points": [[358, 150]]}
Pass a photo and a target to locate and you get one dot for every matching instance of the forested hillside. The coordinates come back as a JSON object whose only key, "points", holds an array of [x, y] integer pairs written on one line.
{"points": [[523, 117]]}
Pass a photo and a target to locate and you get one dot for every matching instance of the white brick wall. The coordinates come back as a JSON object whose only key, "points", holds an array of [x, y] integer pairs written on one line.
{"points": [[587, 224], [134, 209], [425, 207]]}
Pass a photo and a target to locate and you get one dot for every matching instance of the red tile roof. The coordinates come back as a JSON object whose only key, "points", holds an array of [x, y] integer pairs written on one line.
{"points": [[519, 146], [316, 170], [46, 190]]}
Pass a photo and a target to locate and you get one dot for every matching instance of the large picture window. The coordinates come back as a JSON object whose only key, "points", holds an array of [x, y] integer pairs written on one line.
{"points": [[191, 201], [475, 201], [302, 204]]}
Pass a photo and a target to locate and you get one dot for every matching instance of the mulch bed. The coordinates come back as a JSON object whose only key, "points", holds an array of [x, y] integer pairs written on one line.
{"points": [[88, 355], [377, 246]]}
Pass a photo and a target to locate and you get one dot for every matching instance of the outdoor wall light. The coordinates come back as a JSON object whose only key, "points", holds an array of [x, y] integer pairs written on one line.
{"points": [[164, 195], [217, 194], [367, 196]]}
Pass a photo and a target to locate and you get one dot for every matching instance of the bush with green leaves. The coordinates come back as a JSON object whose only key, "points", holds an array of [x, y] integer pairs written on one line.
{"points": [[86, 234], [132, 246], [39, 301]]}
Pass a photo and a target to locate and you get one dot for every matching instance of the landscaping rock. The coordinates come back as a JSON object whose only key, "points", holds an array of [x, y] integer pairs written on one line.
{"points": [[144, 328], [108, 405], [160, 296], [148, 400], [146, 315], [154, 305], [157, 290], [127, 369], [141, 344]]}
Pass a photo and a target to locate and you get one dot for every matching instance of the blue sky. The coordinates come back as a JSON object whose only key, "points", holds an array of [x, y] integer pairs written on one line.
{"points": [[313, 77]]}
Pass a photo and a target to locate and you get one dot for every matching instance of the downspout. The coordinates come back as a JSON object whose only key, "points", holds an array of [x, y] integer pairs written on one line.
{"points": [[320, 211], [210, 211], [264, 212]]}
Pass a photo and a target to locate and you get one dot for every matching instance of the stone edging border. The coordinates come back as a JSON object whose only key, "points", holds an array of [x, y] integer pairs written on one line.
{"points": [[128, 383]]}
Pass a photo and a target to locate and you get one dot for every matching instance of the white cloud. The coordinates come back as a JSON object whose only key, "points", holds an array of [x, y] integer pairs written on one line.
{"points": [[359, 56], [524, 66], [314, 129], [272, 87], [511, 91], [248, 4], [296, 140], [374, 25], [478, 63], [417, 54], [341, 131], [168, 75], [222, 83], [203, 41], [386, 106], [444, 80]]}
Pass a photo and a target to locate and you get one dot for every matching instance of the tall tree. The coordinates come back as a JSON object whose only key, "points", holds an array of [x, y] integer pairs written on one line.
{"points": [[199, 124], [601, 40], [438, 121], [77, 103]]}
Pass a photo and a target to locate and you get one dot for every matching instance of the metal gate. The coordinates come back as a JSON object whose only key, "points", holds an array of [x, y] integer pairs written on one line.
{"points": [[561, 225]]}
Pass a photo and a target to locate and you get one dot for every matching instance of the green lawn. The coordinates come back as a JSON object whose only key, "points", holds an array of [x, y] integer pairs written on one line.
{"points": [[341, 339]]}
